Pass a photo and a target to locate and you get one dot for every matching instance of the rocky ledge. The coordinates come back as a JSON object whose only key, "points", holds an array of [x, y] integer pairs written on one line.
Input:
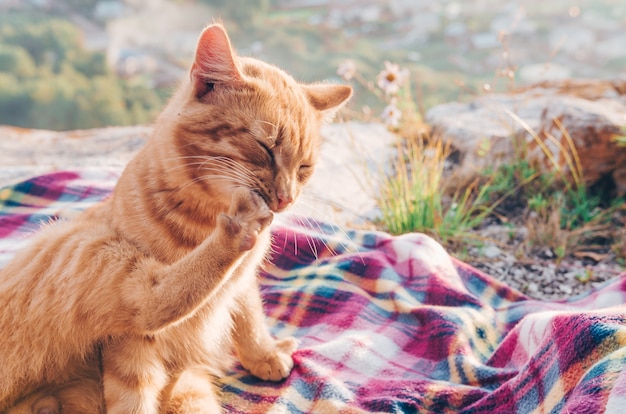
{"points": [[494, 128]]}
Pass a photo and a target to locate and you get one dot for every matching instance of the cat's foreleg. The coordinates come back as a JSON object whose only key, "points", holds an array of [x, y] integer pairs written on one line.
{"points": [[164, 295], [258, 352]]}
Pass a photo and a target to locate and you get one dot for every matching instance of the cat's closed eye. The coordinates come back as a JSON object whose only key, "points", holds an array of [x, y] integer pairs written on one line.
{"points": [[268, 150]]}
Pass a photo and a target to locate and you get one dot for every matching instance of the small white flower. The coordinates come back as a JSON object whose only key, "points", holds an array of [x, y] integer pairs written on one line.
{"points": [[391, 78], [391, 115], [347, 70]]}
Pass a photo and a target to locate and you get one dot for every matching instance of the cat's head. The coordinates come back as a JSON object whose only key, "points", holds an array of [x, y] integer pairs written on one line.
{"points": [[242, 122]]}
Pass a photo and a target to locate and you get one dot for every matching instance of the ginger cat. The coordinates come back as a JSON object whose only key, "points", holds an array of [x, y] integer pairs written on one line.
{"points": [[135, 305]]}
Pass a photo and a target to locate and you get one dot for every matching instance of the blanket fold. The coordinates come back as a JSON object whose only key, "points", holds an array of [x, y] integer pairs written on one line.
{"points": [[392, 324]]}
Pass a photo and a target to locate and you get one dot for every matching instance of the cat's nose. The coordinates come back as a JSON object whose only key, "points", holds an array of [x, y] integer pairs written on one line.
{"points": [[284, 200]]}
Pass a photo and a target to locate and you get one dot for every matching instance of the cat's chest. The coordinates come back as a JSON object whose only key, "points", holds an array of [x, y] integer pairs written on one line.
{"points": [[208, 329], [205, 335]]}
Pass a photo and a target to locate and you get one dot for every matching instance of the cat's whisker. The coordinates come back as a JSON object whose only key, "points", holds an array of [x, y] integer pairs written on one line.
{"points": [[217, 173], [181, 166], [233, 170], [234, 180], [304, 221], [187, 164], [351, 246], [190, 183], [181, 157], [236, 166], [199, 165], [234, 174], [273, 125], [316, 224], [217, 159], [274, 134], [205, 159], [213, 176], [312, 224], [285, 244], [271, 250]]}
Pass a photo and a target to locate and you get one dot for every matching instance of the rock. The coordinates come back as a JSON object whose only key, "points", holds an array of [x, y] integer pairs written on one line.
{"points": [[590, 89], [490, 251], [541, 72], [572, 38], [493, 129], [533, 287]]}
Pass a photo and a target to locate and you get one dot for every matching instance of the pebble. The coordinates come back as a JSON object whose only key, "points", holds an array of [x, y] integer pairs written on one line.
{"points": [[491, 251], [566, 289], [547, 253]]}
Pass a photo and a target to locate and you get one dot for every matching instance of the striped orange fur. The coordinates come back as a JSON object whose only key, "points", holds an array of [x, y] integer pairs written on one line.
{"points": [[136, 305]]}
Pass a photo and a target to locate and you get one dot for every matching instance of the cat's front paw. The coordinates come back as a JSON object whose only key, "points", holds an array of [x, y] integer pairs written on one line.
{"points": [[247, 217], [274, 364]]}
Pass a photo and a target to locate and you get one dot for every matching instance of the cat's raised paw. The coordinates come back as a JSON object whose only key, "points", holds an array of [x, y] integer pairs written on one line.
{"points": [[247, 217], [274, 365]]}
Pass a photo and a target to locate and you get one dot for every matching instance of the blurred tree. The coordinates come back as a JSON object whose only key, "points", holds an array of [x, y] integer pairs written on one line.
{"points": [[15, 60], [141, 101], [103, 103], [92, 64], [52, 104], [48, 42], [48, 80], [15, 102]]}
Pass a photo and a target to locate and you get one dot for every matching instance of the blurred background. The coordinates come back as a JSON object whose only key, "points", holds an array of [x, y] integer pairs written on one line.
{"points": [[71, 64]]}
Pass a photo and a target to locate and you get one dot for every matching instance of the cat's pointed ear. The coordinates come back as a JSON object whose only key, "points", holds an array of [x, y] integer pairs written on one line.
{"points": [[214, 61], [326, 98]]}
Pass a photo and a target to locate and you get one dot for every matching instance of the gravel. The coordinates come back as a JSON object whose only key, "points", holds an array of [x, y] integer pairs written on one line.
{"points": [[540, 275]]}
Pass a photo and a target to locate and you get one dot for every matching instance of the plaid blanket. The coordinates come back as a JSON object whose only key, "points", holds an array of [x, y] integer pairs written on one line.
{"points": [[393, 324]]}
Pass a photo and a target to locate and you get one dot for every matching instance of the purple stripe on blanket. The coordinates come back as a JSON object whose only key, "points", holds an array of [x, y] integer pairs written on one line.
{"points": [[26, 205]]}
